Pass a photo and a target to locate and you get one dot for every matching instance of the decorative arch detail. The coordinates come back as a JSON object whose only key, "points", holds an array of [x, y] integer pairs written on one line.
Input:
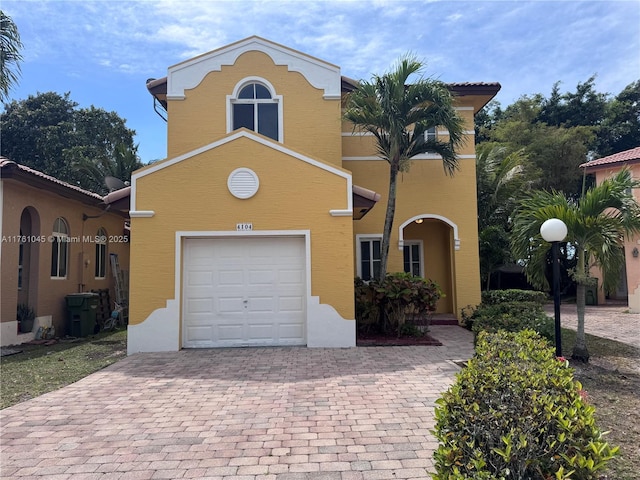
{"points": [[424, 216]]}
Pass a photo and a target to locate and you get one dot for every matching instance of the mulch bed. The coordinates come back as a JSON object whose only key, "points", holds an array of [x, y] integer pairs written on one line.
{"points": [[379, 340]]}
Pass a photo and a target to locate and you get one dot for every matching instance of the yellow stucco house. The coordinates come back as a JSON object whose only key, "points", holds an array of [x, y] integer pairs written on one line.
{"points": [[629, 285], [252, 230]]}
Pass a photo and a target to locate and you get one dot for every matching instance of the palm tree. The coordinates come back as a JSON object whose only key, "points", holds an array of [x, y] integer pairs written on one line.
{"points": [[597, 224], [10, 57], [501, 183], [398, 114], [94, 171]]}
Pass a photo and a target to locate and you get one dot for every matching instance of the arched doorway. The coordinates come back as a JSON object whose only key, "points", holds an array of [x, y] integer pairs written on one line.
{"points": [[28, 257], [428, 243]]}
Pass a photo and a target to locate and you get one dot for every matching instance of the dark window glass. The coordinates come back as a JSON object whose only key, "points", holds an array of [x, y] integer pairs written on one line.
{"points": [[247, 92], [54, 257], [268, 120], [407, 259], [243, 116], [261, 91], [365, 259], [62, 268]]}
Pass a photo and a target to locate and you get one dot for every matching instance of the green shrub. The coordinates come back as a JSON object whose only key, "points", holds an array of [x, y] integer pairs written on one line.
{"points": [[493, 297], [386, 304], [516, 412], [512, 317]]}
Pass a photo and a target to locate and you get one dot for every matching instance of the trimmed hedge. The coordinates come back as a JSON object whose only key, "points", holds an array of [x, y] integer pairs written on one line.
{"points": [[512, 317], [493, 297], [516, 412]]}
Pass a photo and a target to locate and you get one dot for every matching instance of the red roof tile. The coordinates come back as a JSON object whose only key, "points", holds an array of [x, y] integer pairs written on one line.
{"points": [[7, 165], [626, 156]]}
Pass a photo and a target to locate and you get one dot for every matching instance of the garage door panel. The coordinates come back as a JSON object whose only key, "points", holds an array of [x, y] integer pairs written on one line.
{"points": [[230, 332], [263, 305], [291, 304], [261, 277], [254, 288], [195, 306], [228, 305], [195, 278]]}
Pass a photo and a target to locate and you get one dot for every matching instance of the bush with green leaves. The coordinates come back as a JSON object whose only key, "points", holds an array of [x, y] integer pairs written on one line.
{"points": [[516, 412], [494, 297], [512, 317], [386, 304]]}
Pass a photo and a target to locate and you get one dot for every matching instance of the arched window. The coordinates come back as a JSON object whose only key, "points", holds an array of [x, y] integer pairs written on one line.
{"points": [[254, 106], [101, 253], [59, 248]]}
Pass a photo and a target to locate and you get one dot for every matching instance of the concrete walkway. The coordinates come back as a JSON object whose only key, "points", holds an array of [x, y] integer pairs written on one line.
{"points": [[607, 321], [242, 414]]}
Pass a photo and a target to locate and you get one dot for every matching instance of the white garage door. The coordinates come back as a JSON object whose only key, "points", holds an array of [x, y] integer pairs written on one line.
{"points": [[244, 292]]}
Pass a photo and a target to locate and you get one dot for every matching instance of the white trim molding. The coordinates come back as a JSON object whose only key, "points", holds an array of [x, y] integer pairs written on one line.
{"points": [[188, 74], [424, 216], [423, 156], [141, 213], [243, 133]]}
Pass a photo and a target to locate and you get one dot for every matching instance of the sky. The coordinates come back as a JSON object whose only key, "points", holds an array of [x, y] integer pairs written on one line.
{"points": [[103, 51]]}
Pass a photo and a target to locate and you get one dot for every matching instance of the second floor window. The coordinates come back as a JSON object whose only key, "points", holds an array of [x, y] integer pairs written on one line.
{"points": [[256, 109]]}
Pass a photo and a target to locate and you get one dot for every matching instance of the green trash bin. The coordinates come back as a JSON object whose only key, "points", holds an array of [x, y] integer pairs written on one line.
{"points": [[591, 293], [82, 309]]}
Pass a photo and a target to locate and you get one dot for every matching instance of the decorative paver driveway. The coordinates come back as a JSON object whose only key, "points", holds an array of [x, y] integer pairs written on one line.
{"points": [[250, 413]]}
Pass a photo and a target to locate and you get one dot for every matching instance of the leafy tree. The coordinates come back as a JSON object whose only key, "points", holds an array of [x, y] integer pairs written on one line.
{"points": [[584, 107], [620, 129], [10, 56], [49, 133], [486, 119], [553, 153], [596, 223], [398, 115]]}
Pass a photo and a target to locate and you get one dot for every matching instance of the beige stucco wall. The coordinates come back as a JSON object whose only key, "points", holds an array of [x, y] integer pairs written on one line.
{"points": [[43, 293], [632, 263], [311, 124], [192, 195]]}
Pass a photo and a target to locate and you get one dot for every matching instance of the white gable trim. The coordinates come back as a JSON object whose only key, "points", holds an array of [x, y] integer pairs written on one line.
{"points": [[456, 239], [189, 74], [251, 136]]}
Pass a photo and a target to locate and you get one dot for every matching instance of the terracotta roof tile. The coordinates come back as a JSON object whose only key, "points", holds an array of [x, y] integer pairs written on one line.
{"points": [[626, 156], [5, 163]]}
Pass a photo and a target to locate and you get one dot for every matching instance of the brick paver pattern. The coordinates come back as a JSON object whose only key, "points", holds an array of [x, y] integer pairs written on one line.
{"points": [[241, 414]]}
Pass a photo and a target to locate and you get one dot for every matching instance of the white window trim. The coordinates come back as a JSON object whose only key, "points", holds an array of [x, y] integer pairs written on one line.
{"points": [[233, 99], [420, 243], [66, 246], [360, 238], [102, 233]]}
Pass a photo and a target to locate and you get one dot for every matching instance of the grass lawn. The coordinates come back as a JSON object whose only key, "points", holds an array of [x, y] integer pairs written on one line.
{"points": [[40, 369], [612, 382]]}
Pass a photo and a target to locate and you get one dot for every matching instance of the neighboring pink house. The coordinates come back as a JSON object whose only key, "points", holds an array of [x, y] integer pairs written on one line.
{"points": [[629, 287]]}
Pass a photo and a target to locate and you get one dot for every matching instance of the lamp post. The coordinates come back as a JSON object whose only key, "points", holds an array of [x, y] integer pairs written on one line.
{"points": [[554, 231]]}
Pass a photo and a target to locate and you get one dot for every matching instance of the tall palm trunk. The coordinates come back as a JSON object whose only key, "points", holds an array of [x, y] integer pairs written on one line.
{"points": [[388, 219], [580, 351]]}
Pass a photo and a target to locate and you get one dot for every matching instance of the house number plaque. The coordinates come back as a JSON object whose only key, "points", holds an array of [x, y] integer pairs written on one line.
{"points": [[244, 227]]}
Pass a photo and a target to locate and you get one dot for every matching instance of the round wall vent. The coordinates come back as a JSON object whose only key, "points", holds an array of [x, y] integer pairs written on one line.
{"points": [[243, 183]]}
